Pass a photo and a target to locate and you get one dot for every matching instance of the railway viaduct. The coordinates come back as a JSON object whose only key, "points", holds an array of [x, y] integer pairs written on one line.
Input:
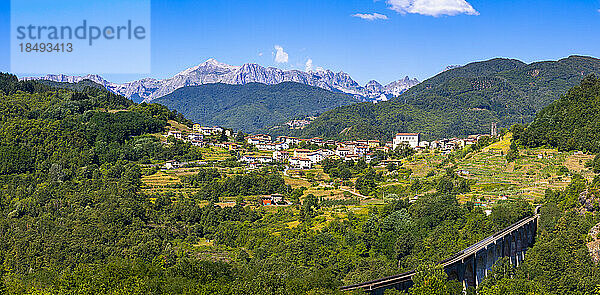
{"points": [[471, 265]]}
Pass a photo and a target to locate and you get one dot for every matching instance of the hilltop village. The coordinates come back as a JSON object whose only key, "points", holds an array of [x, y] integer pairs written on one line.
{"points": [[485, 168], [302, 153]]}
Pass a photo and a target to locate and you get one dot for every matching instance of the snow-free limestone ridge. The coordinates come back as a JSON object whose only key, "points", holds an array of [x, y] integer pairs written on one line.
{"points": [[212, 71]]}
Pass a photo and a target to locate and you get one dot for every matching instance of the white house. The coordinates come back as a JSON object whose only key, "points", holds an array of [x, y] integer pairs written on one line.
{"points": [[315, 157], [373, 143], [174, 133], [361, 149], [264, 159], [254, 140], [172, 164], [352, 157], [410, 139], [280, 156], [317, 141], [265, 146], [300, 163], [301, 153], [195, 137], [288, 140], [207, 130], [279, 146], [263, 137], [198, 143], [248, 159], [326, 153], [342, 152]]}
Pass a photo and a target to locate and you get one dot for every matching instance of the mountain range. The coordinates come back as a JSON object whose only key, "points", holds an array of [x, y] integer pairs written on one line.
{"points": [[212, 71]]}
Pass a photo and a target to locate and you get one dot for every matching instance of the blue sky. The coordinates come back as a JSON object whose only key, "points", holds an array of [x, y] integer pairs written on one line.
{"points": [[418, 38]]}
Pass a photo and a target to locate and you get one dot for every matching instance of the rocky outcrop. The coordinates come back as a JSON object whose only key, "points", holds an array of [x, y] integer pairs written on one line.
{"points": [[594, 244], [589, 200]]}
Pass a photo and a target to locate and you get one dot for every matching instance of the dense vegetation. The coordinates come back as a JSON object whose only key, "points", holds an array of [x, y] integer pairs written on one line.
{"points": [[461, 101], [74, 220], [559, 262], [570, 123], [253, 106], [214, 187]]}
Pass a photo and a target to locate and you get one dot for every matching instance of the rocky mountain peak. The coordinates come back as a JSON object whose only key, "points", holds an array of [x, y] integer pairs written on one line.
{"points": [[213, 71]]}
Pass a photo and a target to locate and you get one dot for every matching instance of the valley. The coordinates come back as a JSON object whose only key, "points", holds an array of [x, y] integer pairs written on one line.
{"points": [[98, 189], [396, 147]]}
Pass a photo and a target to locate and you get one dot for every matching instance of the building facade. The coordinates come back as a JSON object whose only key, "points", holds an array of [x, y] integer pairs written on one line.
{"points": [[410, 139]]}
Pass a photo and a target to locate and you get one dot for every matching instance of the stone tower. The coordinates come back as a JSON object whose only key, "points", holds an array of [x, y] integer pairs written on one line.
{"points": [[494, 131]]}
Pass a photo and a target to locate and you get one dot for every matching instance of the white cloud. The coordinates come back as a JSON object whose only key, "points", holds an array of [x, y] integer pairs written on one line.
{"points": [[432, 7], [260, 54], [370, 16], [309, 65], [280, 55]]}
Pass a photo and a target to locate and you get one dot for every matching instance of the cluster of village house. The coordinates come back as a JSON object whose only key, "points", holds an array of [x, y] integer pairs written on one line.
{"points": [[299, 124], [197, 137], [345, 150], [305, 158]]}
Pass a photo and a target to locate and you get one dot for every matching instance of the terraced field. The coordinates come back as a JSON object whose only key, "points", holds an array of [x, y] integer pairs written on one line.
{"points": [[493, 178], [529, 176]]}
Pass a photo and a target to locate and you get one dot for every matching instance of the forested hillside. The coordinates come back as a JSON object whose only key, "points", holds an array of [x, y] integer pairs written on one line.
{"points": [[253, 106], [74, 219], [461, 101], [570, 123]]}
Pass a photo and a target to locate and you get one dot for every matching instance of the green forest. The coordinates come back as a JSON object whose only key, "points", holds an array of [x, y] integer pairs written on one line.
{"points": [[74, 219], [570, 123], [254, 106], [460, 101]]}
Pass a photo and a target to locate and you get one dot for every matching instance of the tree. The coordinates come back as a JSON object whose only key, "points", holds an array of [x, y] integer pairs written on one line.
{"points": [[239, 201], [432, 280], [223, 136], [297, 194], [513, 152], [239, 137], [445, 186], [3, 290], [391, 166], [594, 164], [501, 270], [309, 205], [365, 183], [345, 173]]}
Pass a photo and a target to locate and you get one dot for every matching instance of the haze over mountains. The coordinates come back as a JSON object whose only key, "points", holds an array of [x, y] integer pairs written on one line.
{"points": [[212, 71]]}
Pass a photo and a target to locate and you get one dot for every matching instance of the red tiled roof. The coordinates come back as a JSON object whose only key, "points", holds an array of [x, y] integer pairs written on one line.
{"points": [[301, 159]]}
